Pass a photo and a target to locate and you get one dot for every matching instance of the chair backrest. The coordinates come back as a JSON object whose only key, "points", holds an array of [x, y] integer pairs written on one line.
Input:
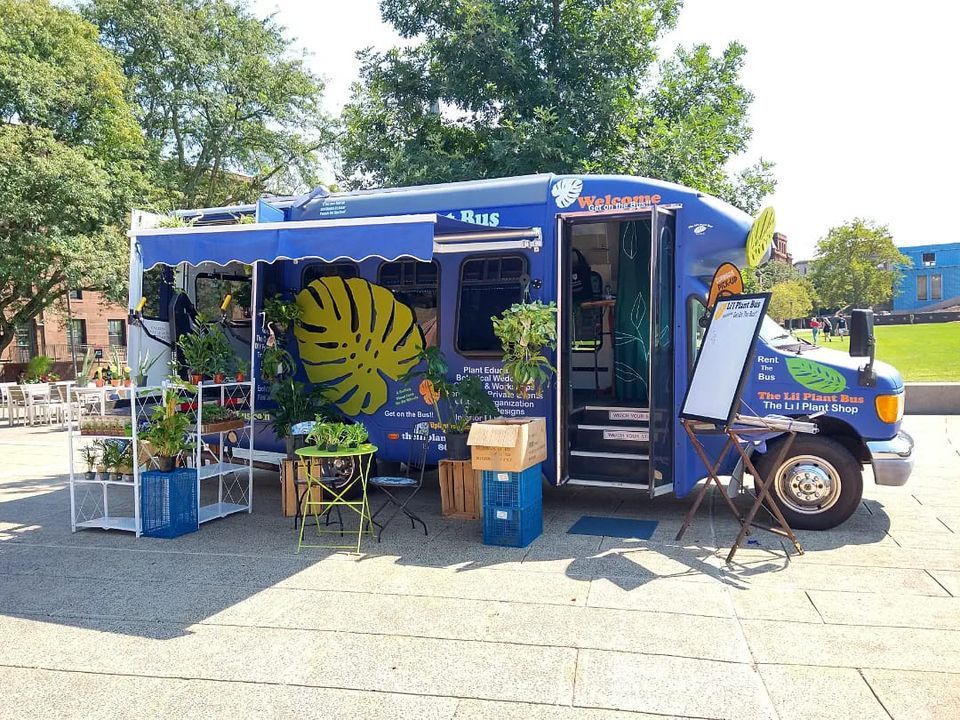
{"points": [[61, 392], [18, 394], [4, 391], [419, 445]]}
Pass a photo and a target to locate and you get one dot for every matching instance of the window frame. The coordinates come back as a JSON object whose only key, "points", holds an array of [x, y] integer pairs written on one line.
{"points": [[71, 340], [692, 350], [163, 299], [922, 292], [932, 262], [415, 286], [936, 287], [222, 276], [494, 354], [123, 333], [338, 263], [75, 294]]}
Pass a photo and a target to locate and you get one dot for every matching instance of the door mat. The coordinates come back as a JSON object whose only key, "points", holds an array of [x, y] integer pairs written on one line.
{"points": [[614, 527]]}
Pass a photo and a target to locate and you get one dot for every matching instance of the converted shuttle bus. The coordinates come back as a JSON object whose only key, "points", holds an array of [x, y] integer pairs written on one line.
{"points": [[380, 274]]}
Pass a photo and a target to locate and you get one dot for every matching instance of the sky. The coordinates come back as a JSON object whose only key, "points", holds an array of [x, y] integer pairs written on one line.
{"points": [[854, 100]]}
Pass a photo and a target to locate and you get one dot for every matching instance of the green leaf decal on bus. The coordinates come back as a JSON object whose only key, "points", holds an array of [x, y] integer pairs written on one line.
{"points": [[814, 376]]}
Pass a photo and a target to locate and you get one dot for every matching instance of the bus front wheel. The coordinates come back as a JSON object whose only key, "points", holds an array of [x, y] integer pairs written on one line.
{"points": [[817, 486]]}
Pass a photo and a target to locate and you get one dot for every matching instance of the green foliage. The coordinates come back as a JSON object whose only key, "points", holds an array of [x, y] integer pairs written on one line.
{"points": [[90, 454], [276, 363], [336, 434], [206, 350], [167, 429], [463, 402], [526, 330], [857, 265], [70, 154], [221, 352], [227, 110], [296, 404], [38, 368], [281, 311], [790, 299], [507, 88], [763, 278], [83, 377]]}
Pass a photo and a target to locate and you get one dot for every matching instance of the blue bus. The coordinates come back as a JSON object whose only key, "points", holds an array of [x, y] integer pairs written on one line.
{"points": [[380, 274]]}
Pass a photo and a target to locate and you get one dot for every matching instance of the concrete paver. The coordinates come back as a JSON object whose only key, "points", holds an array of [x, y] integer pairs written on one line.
{"points": [[231, 620]]}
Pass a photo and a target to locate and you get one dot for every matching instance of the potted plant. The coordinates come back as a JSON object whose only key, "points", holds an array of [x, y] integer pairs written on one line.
{"points": [[354, 435], [242, 368], [99, 447], [465, 401], [90, 455], [113, 459], [275, 363], [124, 465], [196, 353], [295, 404], [526, 330], [167, 432], [38, 368], [280, 312], [116, 368], [98, 378], [220, 352], [83, 377], [144, 363], [331, 436]]}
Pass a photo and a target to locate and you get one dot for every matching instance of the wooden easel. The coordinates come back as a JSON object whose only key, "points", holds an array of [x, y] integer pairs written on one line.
{"points": [[735, 433]]}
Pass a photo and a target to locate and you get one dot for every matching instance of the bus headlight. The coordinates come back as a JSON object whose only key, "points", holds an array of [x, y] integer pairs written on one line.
{"points": [[890, 407]]}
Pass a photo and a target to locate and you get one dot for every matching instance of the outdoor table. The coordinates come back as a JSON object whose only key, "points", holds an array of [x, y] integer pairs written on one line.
{"points": [[364, 455], [98, 395]]}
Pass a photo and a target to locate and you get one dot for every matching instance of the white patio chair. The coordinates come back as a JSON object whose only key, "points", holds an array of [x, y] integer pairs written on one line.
{"points": [[21, 405], [5, 399]]}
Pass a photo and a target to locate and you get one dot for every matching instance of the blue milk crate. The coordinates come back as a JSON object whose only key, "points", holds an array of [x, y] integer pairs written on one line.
{"points": [[512, 527], [168, 503], [512, 489]]}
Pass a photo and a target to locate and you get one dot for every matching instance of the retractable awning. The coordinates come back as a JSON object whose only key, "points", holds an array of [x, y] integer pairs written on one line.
{"points": [[397, 236]]}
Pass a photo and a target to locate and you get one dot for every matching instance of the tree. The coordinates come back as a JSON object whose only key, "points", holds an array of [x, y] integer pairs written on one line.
{"points": [[227, 111], [505, 88], [70, 161], [790, 299], [762, 278], [857, 264]]}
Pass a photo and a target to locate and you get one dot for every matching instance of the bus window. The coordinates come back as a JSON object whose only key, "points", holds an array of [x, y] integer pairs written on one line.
{"points": [[696, 312], [314, 271], [488, 286], [417, 285], [212, 288]]}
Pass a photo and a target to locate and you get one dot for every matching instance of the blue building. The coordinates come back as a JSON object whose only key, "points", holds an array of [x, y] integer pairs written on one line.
{"points": [[933, 277]]}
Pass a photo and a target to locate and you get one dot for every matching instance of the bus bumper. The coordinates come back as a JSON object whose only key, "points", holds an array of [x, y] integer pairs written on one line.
{"points": [[892, 459]]}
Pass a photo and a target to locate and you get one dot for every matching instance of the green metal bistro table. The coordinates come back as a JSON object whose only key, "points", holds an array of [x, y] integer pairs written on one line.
{"points": [[364, 455]]}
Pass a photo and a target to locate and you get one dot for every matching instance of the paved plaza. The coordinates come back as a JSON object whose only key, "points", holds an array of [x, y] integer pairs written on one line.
{"points": [[230, 622]]}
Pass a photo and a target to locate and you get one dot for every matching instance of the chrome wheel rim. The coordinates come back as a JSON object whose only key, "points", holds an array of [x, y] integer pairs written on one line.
{"points": [[807, 484]]}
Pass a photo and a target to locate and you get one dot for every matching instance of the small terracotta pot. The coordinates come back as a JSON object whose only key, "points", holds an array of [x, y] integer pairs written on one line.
{"points": [[218, 378], [196, 378], [98, 383], [126, 383], [115, 383], [239, 377]]}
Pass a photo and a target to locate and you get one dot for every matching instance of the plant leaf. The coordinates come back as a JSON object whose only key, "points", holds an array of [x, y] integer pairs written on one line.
{"points": [[814, 376]]}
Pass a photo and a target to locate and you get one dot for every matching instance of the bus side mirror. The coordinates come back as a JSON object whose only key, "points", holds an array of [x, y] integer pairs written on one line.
{"points": [[863, 344]]}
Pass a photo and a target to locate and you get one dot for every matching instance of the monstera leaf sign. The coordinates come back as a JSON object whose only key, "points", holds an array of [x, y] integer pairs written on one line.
{"points": [[760, 237], [353, 337]]}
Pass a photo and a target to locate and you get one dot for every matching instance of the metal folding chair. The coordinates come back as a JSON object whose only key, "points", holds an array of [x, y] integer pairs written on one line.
{"points": [[411, 481]]}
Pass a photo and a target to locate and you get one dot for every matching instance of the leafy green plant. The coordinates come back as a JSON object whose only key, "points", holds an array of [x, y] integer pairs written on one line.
{"points": [[355, 435], [331, 435], [281, 312], [296, 404], [144, 363], [525, 330], [112, 455], [219, 348], [213, 413], [116, 364], [167, 429], [275, 363], [83, 377], [469, 402], [196, 351], [38, 368], [90, 454], [465, 401], [241, 366]]}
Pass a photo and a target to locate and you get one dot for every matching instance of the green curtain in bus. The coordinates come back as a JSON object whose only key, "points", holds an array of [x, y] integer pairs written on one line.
{"points": [[632, 325]]}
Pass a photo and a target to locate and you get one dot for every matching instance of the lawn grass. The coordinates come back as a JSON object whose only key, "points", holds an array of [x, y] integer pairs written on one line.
{"points": [[922, 353]]}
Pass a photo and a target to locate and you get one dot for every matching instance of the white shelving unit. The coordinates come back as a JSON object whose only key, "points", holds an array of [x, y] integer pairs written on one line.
{"points": [[224, 481]]}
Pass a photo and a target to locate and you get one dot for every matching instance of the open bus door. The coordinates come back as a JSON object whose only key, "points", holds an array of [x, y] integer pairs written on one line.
{"points": [[662, 361]]}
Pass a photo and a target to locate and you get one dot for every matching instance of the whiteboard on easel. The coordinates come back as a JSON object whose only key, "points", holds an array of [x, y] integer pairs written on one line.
{"points": [[724, 358]]}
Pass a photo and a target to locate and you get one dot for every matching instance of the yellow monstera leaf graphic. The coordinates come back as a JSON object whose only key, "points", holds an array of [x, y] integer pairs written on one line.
{"points": [[353, 336], [760, 237]]}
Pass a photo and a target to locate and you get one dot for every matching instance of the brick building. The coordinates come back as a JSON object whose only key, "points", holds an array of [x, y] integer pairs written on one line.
{"points": [[780, 251], [96, 323]]}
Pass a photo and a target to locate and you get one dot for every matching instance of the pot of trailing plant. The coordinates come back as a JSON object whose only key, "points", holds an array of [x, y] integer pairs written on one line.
{"points": [[457, 448], [165, 464], [219, 378]]}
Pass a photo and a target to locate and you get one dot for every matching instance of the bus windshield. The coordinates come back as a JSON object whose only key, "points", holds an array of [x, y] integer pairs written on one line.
{"points": [[775, 335]]}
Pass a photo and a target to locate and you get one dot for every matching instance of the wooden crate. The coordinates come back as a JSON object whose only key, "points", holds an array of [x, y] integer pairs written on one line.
{"points": [[460, 490], [288, 490]]}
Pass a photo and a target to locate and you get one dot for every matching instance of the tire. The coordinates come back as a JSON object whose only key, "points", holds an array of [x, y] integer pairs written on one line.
{"points": [[818, 485]]}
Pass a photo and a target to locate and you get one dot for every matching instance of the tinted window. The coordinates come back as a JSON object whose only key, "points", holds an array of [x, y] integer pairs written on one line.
{"points": [[322, 269], [488, 286], [211, 290], [156, 288], [417, 285]]}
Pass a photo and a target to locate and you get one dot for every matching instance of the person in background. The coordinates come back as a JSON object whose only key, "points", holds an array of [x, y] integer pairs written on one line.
{"points": [[827, 328], [840, 324], [815, 327]]}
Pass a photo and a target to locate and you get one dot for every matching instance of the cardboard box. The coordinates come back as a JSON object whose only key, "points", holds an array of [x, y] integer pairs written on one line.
{"points": [[511, 444]]}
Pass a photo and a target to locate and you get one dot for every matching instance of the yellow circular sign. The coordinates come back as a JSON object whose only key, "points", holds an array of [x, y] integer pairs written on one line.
{"points": [[760, 237]]}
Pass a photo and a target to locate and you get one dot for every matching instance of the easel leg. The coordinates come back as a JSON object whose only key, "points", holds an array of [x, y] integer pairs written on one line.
{"points": [[764, 493], [711, 477]]}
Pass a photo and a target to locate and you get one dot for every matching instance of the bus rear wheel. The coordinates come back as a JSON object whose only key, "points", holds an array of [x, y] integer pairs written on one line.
{"points": [[817, 486]]}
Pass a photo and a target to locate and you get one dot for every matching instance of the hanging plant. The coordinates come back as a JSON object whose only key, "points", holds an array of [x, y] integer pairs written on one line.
{"points": [[526, 330]]}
